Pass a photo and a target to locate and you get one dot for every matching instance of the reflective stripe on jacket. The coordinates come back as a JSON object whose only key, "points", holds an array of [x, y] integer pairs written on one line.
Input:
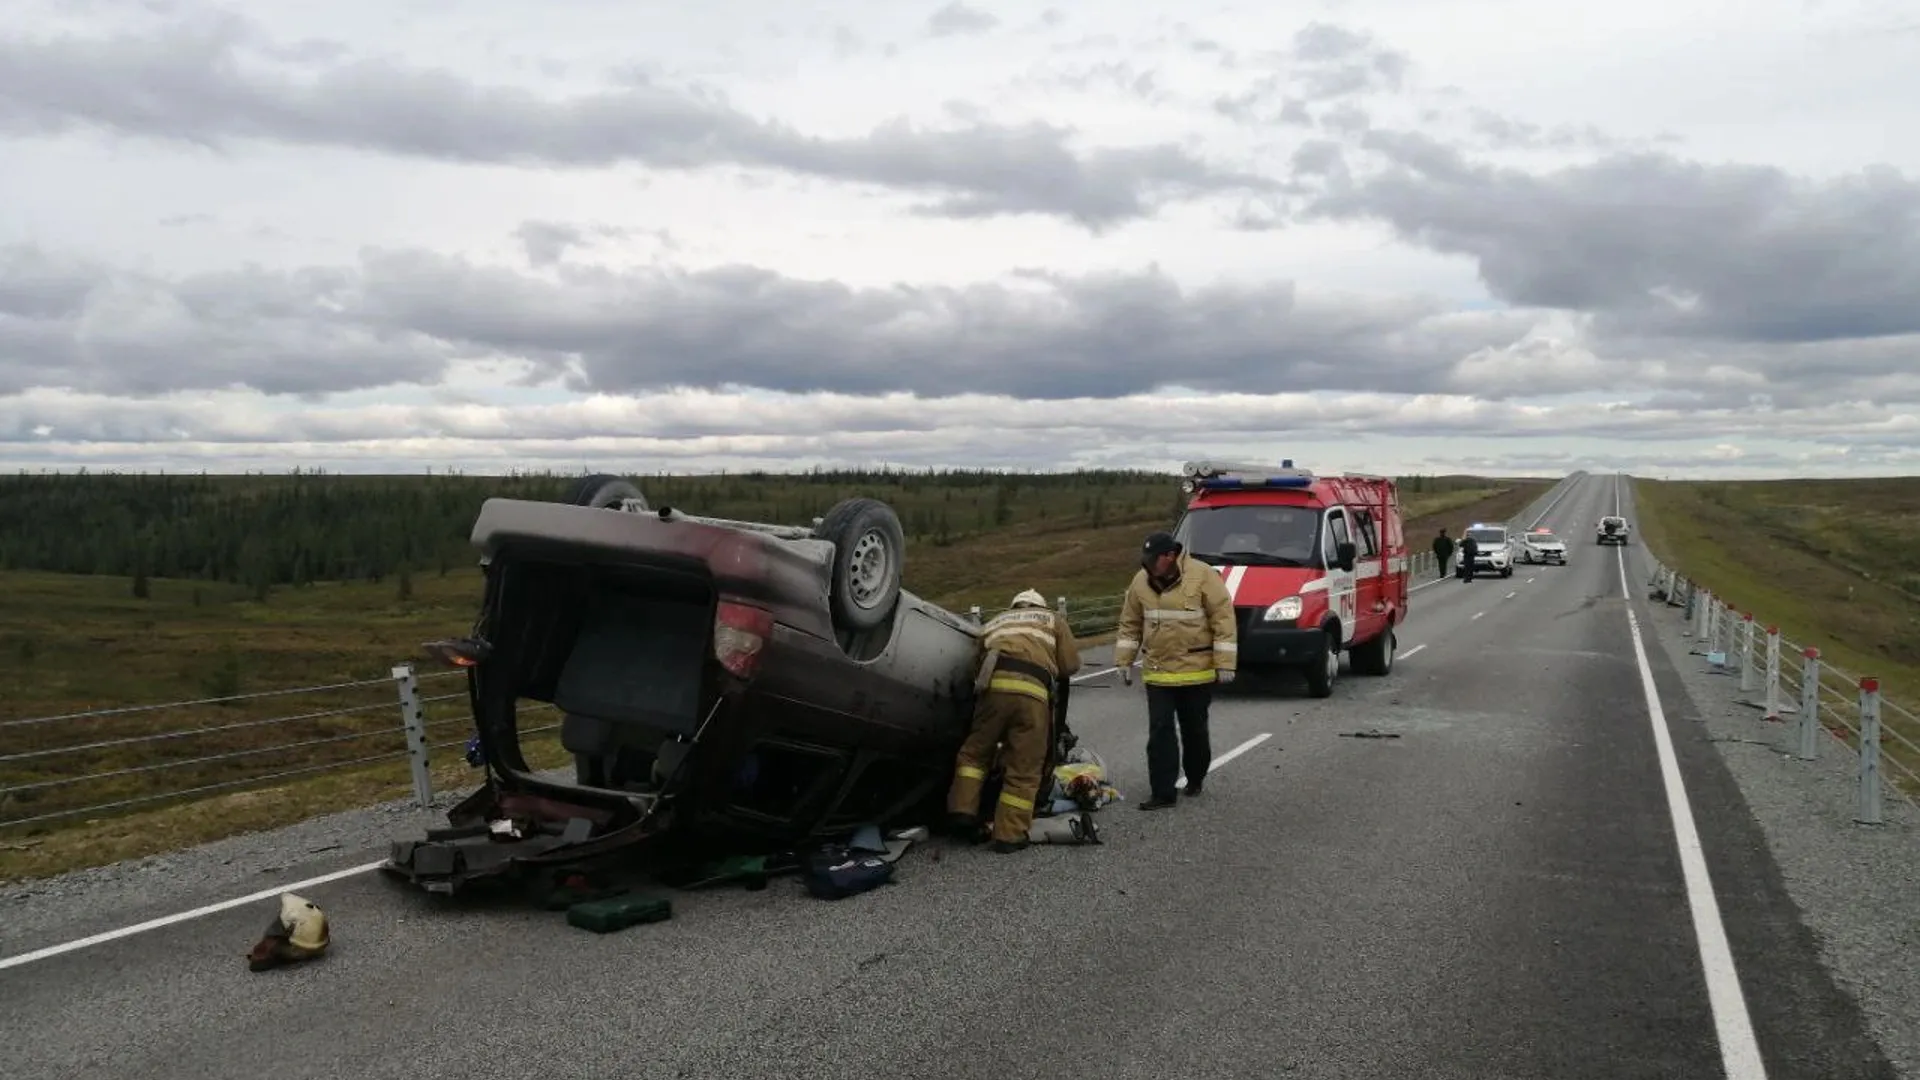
{"points": [[1184, 634], [1036, 637]]}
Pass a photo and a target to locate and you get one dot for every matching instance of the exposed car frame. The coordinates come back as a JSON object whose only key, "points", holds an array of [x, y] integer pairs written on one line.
{"points": [[1611, 529], [748, 686]]}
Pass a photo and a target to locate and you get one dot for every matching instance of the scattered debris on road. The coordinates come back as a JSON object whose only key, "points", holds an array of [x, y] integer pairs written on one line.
{"points": [[618, 913], [298, 932]]}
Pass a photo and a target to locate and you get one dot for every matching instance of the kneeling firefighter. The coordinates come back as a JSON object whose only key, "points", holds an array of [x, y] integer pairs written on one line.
{"points": [[1030, 655]]}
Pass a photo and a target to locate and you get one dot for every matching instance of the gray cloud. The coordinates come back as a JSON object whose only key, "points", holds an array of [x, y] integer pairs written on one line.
{"points": [[1661, 248], [190, 85], [960, 19], [406, 316], [86, 327], [1325, 64]]}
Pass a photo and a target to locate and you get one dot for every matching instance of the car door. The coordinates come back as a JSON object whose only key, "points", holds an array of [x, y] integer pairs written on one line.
{"points": [[1340, 583]]}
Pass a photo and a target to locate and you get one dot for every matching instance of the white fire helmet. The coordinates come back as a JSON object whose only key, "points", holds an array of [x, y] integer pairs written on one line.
{"points": [[1030, 598]]}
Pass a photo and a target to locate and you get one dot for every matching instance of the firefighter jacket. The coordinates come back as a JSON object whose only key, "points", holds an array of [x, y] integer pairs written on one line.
{"points": [[1183, 634], [1030, 650]]}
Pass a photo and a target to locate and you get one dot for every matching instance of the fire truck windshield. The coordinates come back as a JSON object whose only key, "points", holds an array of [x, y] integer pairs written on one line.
{"points": [[1251, 535]]}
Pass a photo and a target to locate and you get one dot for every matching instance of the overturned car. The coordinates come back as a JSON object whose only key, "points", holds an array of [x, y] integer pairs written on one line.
{"points": [[742, 685]]}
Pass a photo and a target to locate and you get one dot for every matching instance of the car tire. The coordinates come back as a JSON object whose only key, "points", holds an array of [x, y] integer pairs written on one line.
{"points": [[869, 552], [1506, 571], [1376, 656], [1322, 675], [604, 492]]}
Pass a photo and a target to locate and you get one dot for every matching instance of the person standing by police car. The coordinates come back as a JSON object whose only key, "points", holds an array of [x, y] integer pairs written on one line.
{"points": [[1177, 618]]}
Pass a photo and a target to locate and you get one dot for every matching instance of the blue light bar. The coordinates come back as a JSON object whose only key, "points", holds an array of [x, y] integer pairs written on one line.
{"points": [[1217, 483]]}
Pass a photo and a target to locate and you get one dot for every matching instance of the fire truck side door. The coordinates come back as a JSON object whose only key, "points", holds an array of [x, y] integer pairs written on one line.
{"points": [[1340, 584]]}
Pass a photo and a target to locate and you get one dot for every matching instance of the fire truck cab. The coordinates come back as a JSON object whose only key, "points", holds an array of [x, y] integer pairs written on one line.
{"points": [[1316, 565]]}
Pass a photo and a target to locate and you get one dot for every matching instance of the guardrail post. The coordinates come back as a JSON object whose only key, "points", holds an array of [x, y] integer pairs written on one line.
{"points": [[1063, 605], [1773, 674], [1869, 752], [414, 722], [1705, 611], [1809, 729], [974, 613], [1746, 651]]}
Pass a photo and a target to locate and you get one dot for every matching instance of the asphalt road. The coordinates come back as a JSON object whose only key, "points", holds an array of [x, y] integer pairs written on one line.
{"points": [[1496, 893]]}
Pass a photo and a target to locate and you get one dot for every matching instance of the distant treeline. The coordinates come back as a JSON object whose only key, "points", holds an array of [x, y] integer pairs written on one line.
{"points": [[263, 530]]}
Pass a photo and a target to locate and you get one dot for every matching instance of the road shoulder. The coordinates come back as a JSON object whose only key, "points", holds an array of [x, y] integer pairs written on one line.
{"points": [[1795, 876]]}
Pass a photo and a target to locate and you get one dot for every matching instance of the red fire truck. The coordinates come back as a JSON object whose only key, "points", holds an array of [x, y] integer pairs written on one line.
{"points": [[1316, 565]]}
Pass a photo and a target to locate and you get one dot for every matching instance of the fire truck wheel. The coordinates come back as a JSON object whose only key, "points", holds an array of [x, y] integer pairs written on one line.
{"points": [[1376, 656], [1321, 676]]}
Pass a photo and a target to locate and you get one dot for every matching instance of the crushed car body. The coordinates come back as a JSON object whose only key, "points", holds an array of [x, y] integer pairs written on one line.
{"points": [[748, 686]]}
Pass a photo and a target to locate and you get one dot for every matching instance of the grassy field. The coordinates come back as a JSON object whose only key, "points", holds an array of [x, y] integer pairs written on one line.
{"points": [[1834, 563], [80, 643]]}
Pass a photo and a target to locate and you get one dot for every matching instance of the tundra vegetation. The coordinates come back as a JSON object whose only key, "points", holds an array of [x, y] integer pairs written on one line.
{"points": [[124, 590], [1834, 563]]}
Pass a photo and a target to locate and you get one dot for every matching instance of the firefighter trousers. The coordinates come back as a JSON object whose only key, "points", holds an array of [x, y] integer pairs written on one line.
{"points": [[1021, 722], [1178, 737]]}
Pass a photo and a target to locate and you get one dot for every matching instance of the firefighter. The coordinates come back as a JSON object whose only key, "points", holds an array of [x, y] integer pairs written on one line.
{"points": [[1178, 618], [1030, 651]]}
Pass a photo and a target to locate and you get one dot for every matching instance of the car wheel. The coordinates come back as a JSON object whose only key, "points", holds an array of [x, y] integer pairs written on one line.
{"points": [[1506, 571], [604, 491], [869, 553], [1322, 676]]}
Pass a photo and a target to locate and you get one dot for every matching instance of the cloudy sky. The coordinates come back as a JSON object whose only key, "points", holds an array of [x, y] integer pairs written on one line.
{"points": [[1406, 235]]}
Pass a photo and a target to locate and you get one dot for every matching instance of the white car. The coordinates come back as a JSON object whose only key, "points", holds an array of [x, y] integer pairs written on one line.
{"points": [[1495, 550], [1612, 529], [1541, 546]]}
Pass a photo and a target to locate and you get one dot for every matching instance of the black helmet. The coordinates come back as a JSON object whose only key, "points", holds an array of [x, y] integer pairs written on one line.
{"points": [[1156, 545]]}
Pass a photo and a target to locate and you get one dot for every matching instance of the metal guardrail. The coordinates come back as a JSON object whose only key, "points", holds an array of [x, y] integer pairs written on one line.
{"points": [[110, 761], [106, 762], [1819, 696]]}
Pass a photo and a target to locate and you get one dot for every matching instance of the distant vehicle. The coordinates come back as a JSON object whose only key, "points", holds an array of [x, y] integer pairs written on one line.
{"points": [[1612, 529], [1495, 555], [1541, 546], [1316, 565], [753, 685]]}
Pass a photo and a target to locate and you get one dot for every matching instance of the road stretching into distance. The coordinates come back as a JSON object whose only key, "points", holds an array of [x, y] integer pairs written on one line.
{"points": [[1504, 890]]}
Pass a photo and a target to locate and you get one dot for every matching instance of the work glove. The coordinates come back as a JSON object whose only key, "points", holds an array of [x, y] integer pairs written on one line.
{"points": [[1224, 676]]}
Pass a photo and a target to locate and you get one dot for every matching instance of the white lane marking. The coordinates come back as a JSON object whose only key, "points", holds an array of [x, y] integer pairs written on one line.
{"points": [[1513, 594], [1739, 1052], [1476, 615], [1427, 584], [1409, 652], [1093, 674], [169, 920], [1229, 756], [1530, 581]]}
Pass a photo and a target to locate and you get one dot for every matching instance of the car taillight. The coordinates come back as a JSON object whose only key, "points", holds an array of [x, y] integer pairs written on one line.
{"points": [[740, 631]]}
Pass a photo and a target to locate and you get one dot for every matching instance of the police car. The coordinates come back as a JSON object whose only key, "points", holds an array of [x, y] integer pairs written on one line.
{"points": [[1541, 546], [1495, 554]]}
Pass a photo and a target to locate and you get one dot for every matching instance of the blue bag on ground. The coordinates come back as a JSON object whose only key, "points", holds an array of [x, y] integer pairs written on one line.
{"points": [[834, 873]]}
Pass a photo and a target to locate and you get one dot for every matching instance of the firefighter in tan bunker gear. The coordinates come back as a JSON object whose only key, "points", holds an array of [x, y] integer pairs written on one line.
{"points": [[1029, 650], [1177, 619]]}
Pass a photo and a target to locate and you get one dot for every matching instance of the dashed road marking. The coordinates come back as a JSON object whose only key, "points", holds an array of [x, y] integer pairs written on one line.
{"points": [[1477, 614], [1229, 755], [1409, 652]]}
